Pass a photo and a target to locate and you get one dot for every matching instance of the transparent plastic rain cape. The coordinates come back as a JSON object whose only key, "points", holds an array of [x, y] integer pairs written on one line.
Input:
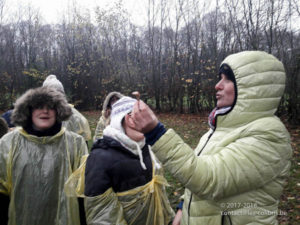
{"points": [[33, 171]]}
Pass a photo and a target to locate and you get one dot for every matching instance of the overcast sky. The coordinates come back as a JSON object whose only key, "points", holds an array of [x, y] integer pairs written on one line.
{"points": [[51, 10]]}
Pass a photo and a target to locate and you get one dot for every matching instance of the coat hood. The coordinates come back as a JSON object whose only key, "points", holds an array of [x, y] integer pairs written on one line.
{"points": [[108, 97], [35, 98], [260, 83]]}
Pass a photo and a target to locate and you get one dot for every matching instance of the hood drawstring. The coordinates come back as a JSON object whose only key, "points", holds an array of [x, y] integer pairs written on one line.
{"points": [[141, 156], [154, 159], [131, 145]]}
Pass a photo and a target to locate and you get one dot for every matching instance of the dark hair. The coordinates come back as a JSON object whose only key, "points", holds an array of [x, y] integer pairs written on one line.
{"points": [[227, 71], [112, 100]]}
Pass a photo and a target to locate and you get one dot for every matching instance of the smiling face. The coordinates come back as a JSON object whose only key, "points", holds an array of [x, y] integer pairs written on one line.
{"points": [[225, 92], [43, 118]]}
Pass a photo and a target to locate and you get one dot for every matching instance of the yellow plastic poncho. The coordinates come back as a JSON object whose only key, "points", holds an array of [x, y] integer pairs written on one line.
{"points": [[33, 171], [78, 124], [102, 123], [147, 204]]}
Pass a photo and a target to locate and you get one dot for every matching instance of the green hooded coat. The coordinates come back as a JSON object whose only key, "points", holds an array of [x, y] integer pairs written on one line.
{"points": [[237, 172]]}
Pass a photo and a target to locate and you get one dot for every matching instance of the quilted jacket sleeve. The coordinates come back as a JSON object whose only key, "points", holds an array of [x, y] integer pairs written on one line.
{"points": [[260, 154]]}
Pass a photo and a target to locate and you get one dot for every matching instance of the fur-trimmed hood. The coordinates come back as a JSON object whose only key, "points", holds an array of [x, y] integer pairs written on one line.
{"points": [[108, 97], [35, 98]]}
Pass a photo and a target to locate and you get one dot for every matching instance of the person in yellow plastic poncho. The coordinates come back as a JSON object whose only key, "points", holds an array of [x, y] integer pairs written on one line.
{"points": [[104, 119], [123, 180], [37, 158], [77, 122]]}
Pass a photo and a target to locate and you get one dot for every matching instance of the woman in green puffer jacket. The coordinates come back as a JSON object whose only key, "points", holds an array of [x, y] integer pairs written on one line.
{"points": [[237, 172]]}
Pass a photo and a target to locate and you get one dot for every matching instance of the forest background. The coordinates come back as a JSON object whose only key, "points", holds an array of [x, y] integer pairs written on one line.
{"points": [[172, 61]]}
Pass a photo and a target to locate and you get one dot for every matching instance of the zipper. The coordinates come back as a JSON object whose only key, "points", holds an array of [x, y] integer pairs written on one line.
{"points": [[189, 206], [206, 142]]}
